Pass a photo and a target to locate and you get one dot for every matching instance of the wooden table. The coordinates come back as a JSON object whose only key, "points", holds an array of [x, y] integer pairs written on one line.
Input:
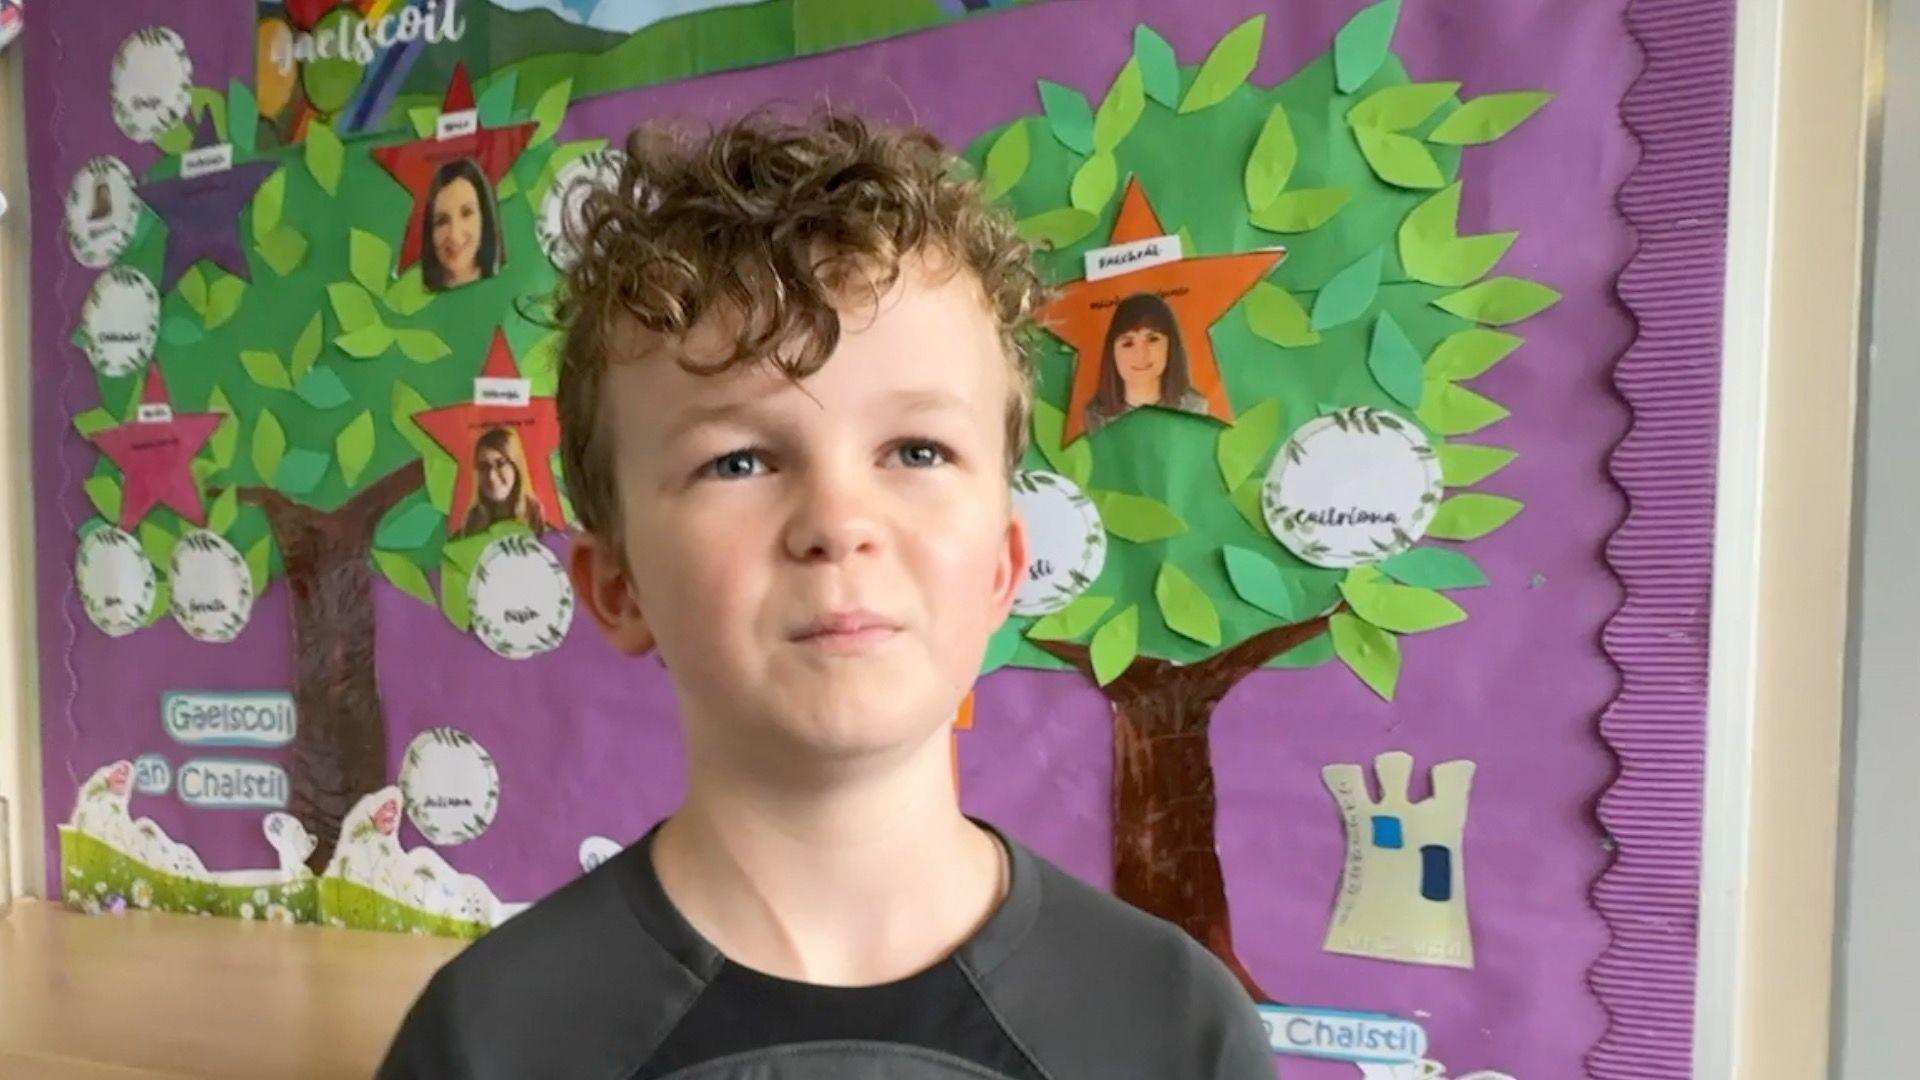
{"points": [[152, 995]]}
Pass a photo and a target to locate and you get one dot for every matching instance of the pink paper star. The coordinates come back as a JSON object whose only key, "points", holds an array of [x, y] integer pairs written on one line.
{"points": [[156, 456]]}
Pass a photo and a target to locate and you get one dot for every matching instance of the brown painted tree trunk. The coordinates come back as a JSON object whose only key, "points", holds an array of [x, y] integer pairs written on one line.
{"points": [[340, 746], [1165, 858]]}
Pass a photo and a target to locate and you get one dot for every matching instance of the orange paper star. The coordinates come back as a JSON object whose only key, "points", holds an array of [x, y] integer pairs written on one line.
{"points": [[1198, 290]]}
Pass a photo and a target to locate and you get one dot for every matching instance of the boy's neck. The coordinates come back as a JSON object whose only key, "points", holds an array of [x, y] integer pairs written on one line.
{"points": [[852, 883]]}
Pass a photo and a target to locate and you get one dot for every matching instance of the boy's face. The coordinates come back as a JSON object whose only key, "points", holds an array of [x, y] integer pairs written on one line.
{"points": [[819, 565]]}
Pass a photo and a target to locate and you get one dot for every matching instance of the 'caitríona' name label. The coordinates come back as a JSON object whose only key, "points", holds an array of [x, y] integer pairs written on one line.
{"points": [[263, 719], [1373, 1038], [1125, 258], [229, 784]]}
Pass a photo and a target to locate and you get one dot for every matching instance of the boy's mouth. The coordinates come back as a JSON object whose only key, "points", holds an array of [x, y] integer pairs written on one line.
{"points": [[846, 631]]}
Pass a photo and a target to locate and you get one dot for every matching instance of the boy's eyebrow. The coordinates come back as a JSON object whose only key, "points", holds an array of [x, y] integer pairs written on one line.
{"points": [[925, 400]]}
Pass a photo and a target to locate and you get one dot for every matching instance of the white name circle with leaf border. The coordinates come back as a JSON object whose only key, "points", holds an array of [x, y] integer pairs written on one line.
{"points": [[561, 212], [1352, 488], [1066, 542], [102, 212], [117, 584], [519, 599], [152, 83], [595, 850], [451, 786], [212, 587], [120, 322]]}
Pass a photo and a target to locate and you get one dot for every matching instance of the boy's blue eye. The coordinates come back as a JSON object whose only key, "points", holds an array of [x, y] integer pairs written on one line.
{"points": [[922, 455], [735, 465]]}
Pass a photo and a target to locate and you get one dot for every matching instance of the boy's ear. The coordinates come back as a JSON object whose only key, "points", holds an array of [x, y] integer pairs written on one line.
{"points": [[1012, 569], [600, 580]]}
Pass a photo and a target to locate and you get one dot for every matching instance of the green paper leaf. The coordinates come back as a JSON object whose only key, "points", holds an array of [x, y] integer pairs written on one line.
{"points": [[224, 511], [177, 139], [366, 343], [1403, 107], [425, 120], [325, 156], [1185, 607], [265, 369], [1007, 161], [1303, 210], [269, 203], [453, 596], [1275, 315], [352, 306], [226, 438], [354, 446], [1464, 465], [177, 330], [306, 348], [104, 493], [1485, 119], [1245, 444], [1451, 409], [1094, 183], [89, 527], [208, 102], [408, 529], [243, 117], [1434, 568], [1399, 160], [301, 471], [94, 420], [1350, 292], [223, 300], [1159, 68], [1115, 645], [1472, 516], [1121, 109], [269, 446], [551, 109], [1368, 651], [495, 102], [1069, 115], [1395, 363], [158, 543], [1071, 622], [1470, 354], [1260, 583], [1074, 462], [507, 188], [1500, 301], [323, 389], [405, 575], [192, 287], [1434, 252], [422, 346], [1362, 45], [407, 403], [1403, 609], [1136, 517], [1057, 229], [442, 471], [1247, 500], [370, 259], [1270, 165], [1000, 648], [1227, 66], [162, 601], [260, 563], [284, 249], [408, 294]]}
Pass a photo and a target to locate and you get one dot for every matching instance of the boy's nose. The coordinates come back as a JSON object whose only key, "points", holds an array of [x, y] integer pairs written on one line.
{"points": [[831, 521]]}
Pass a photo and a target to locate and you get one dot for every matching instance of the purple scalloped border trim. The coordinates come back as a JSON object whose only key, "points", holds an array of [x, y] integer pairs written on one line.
{"points": [[1681, 111]]}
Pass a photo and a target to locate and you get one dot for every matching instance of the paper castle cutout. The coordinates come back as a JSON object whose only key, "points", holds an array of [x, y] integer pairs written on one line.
{"points": [[1403, 895]]}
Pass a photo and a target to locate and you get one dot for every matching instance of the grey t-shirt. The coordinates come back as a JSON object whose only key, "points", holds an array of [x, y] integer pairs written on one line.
{"points": [[605, 979]]}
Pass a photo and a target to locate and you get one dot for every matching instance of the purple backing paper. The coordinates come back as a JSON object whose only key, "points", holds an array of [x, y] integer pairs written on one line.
{"points": [[588, 743]]}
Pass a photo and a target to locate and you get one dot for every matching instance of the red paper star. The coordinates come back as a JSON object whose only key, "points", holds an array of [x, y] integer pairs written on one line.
{"points": [[414, 163], [458, 427], [1199, 290], [156, 456]]}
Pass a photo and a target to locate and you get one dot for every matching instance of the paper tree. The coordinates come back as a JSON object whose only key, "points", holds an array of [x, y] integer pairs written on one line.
{"points": [[320, 371], [1309, 501]]}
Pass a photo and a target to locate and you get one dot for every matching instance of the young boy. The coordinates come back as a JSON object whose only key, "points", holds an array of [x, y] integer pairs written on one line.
{"points": [[792, 392]]}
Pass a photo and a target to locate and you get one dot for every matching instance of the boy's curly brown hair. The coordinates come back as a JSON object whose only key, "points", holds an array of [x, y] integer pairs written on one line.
{"points": [[777, 224]]}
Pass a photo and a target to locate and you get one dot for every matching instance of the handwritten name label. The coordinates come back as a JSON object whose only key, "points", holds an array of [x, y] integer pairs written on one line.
{"points": [[155, 414], [263, 719], [455, 124], [1352, 515], [152, 775], [206, 161], [502, 392], [230, 784], [1125, 258], [1374, 1038]]}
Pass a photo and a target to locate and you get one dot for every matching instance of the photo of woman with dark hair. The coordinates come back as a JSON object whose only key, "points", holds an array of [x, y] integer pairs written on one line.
{"points": [[500, 490], [461, 224], [1144, 362]]}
